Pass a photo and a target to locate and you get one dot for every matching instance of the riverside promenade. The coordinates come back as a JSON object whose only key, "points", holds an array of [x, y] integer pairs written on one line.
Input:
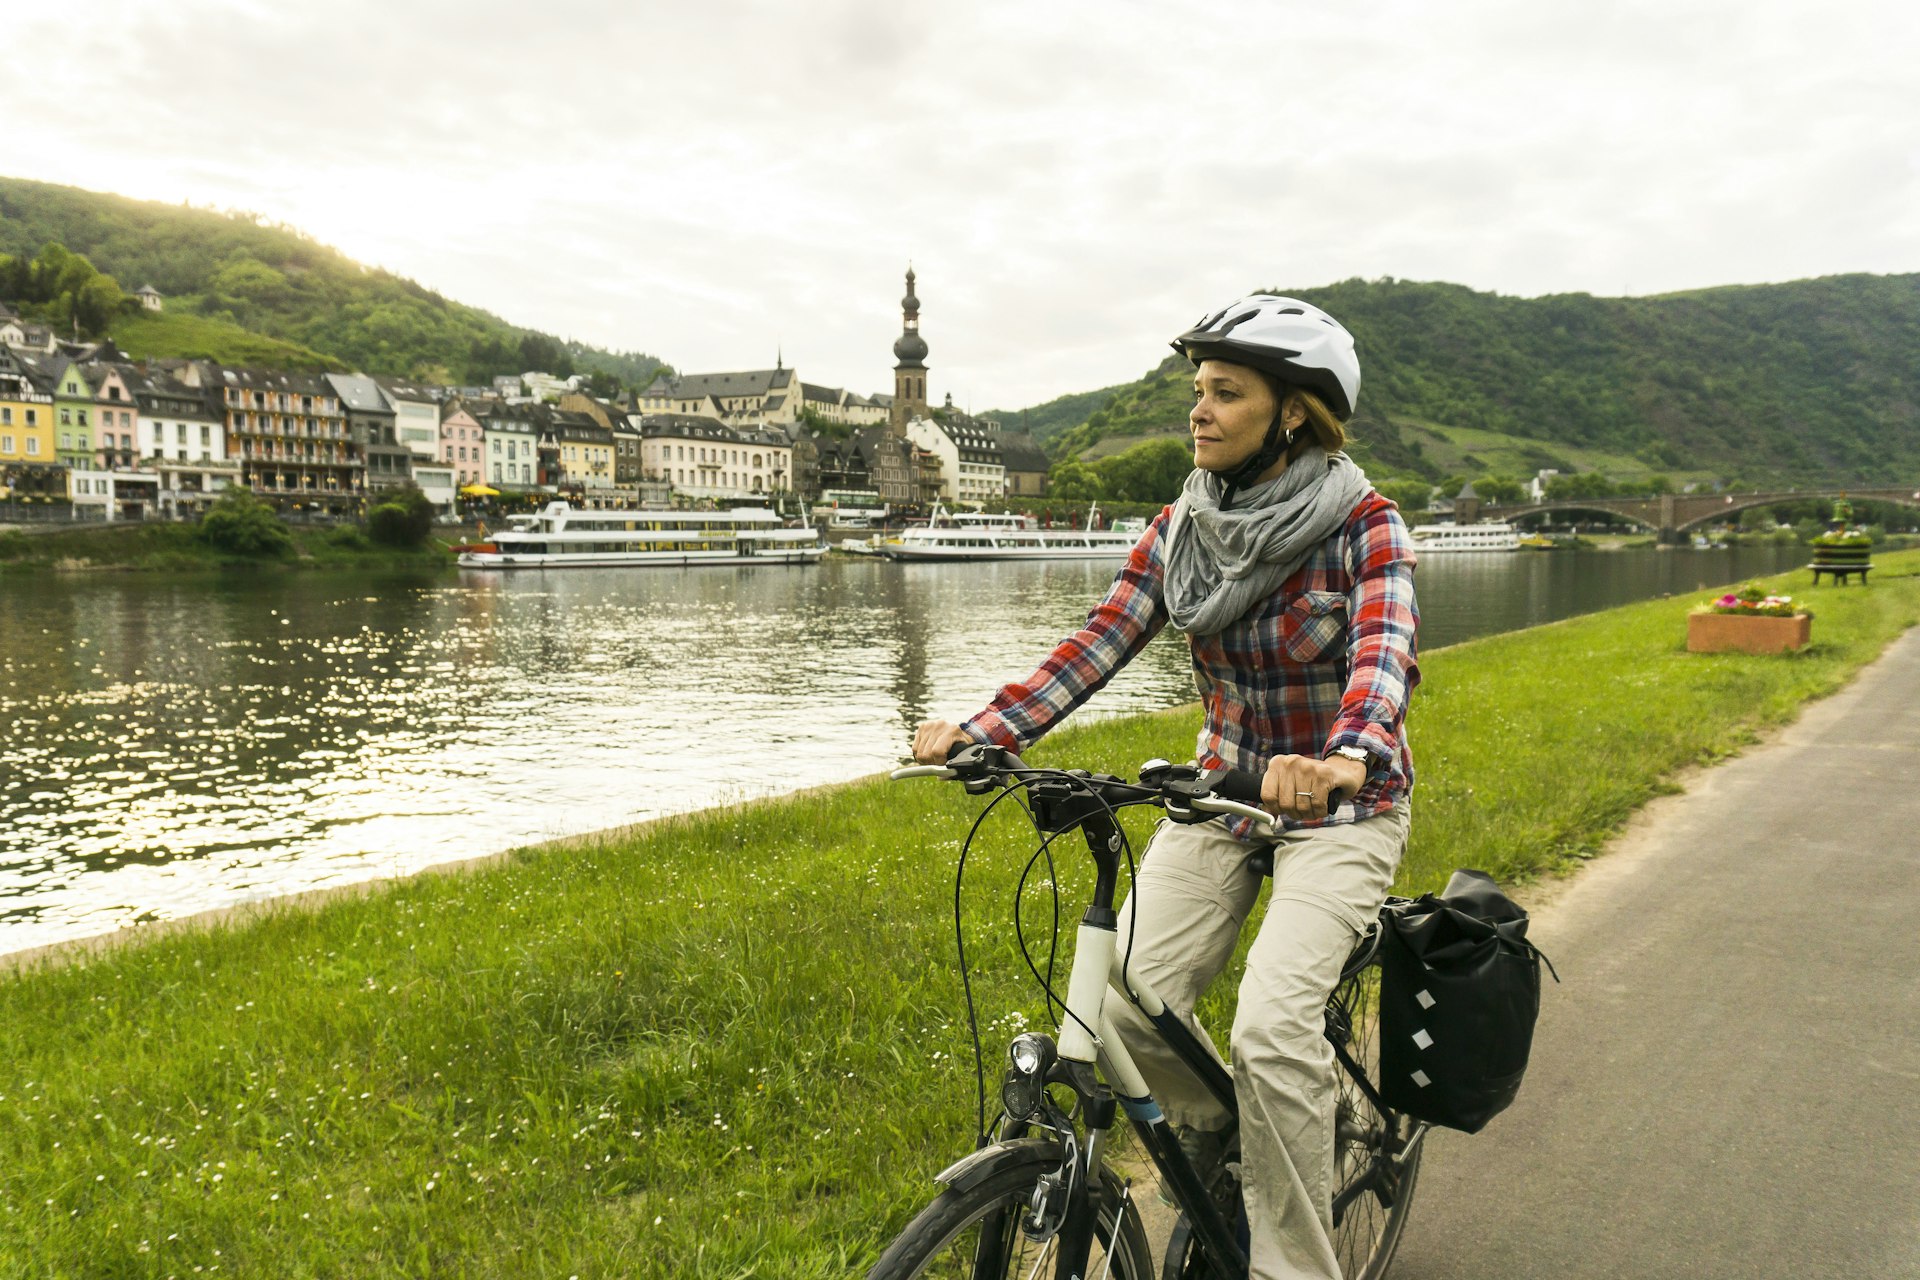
{"points": [[1727, 1082]]}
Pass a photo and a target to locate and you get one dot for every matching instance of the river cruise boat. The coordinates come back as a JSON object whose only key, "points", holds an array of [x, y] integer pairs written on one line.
{"points": [[1447, 536], [560, 537], [976, 535]]}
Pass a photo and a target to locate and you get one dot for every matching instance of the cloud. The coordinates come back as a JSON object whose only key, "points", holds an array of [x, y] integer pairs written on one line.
{"points": [[1074, 180]]}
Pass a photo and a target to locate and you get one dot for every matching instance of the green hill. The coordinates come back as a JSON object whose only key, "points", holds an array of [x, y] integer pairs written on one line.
{"points": [[1810, 380], [257, 281]]}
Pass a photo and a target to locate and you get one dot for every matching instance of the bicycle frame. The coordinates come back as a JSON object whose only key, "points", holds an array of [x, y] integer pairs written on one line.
{"points": [[1088, 1040]]}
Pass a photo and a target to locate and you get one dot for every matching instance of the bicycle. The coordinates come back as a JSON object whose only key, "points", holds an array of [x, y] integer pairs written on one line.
{"points": [[1039, 1190]]}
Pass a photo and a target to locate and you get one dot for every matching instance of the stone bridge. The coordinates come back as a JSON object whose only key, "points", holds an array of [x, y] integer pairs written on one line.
{"points": [[1673, 515]]}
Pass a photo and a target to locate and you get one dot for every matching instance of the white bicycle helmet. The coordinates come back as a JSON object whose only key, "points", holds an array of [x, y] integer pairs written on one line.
{"points": [[1295, 341]]}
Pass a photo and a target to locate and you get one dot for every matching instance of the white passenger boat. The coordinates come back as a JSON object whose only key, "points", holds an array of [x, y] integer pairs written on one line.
{"points": [[1447, 536], [974, 535], [561, 537]]}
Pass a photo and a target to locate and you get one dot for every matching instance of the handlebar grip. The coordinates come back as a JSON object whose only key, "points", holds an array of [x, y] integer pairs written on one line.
{"points": [[921, 771], [1235, 784]]}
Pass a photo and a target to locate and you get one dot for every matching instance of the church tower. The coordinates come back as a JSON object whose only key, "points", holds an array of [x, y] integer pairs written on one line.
{"points": [[910, 374]]}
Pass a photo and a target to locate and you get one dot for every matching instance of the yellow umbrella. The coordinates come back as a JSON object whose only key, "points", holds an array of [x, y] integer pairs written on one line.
{"points": [[480, 491]]}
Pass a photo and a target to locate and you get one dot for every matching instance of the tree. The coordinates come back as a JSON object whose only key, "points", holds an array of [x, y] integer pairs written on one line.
{"points": [[241, 525], [1150, 472], [1499, 489], [95, 304], [404, 519], [1408, 495], [1072, 478]]}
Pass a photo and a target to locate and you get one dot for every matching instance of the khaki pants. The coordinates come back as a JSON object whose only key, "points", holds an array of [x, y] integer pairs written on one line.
{"points": [[1191, 896]]}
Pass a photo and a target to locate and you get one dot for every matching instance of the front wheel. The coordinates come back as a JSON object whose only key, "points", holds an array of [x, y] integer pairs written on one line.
{"points": [[975, 1232]]}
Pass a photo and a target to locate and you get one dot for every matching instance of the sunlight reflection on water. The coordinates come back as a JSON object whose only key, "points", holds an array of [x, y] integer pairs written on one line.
{"points": [[171, 747]]}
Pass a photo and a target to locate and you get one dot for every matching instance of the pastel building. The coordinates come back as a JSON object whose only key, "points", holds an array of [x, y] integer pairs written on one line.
{"points": [[116, 439], [462, 443], [26, 431], [586, 452]]}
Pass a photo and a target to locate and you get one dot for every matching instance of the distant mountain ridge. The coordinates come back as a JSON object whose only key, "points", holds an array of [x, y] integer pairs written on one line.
{"points": [[1815, 380], [277, 282]]}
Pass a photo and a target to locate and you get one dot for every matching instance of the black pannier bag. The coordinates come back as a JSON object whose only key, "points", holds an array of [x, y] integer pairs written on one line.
{"points": [[1459, 992]]}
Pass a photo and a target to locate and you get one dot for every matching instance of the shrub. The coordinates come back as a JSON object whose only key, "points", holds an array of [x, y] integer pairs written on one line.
{"points": [[239, 524], [403, 520]]}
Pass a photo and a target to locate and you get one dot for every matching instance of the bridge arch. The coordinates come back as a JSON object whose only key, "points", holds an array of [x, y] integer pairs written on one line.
{"points": [[1738, 502], [1570, 506]]}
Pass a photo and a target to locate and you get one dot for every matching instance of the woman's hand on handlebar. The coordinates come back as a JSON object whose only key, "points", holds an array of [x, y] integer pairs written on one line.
{"points": [[935, 740], [1299, 786]]}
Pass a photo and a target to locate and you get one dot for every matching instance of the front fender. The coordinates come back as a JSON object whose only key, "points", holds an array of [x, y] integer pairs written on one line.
{"points": [[1044, 1151]]}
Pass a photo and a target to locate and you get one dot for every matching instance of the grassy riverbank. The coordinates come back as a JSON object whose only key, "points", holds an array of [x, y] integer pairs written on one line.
{"points": [[731, 1044], [158, 546]]}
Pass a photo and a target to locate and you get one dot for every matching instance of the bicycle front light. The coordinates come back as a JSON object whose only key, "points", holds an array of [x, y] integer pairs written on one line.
{"points": [[1025, 1092]]}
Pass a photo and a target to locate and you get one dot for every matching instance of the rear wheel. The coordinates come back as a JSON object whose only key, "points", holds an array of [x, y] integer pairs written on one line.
{"points": [[975, 1233], [1372, 1184]]}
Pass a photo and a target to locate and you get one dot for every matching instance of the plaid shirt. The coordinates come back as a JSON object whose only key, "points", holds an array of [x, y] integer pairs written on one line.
{"points": [[1326, 661]]}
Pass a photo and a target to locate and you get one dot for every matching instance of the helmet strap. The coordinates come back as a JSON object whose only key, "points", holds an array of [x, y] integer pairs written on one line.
{"points": [[1248, 472]]}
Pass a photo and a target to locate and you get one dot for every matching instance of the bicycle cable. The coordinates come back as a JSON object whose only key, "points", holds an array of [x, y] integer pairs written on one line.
{"points": [[966, 982]]}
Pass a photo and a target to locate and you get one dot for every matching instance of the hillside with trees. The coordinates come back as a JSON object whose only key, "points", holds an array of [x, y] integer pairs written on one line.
{"points": [[238, 271], [1810, 381]]}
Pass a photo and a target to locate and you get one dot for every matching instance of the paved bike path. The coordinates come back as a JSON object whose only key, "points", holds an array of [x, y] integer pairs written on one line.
{"points": [[1727, 1082]]}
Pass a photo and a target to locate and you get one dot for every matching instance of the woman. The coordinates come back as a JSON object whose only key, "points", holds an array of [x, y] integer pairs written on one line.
{"points": [[1293, 583]]}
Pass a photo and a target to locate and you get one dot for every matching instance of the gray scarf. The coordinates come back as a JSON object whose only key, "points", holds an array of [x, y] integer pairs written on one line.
{"points": [[1220, 563]]}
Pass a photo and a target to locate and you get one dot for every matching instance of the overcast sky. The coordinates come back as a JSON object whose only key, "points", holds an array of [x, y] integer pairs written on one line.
{"points": [[1075, 182]]}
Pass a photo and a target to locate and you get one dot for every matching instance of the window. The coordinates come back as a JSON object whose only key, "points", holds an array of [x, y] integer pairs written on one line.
{"points": [[83, 417], [66, 418], [33, 444], [159, 433], [33, 418], [6, 444], [206, 435], [126, 419]]}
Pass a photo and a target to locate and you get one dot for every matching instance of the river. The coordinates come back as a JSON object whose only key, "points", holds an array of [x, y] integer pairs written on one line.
{"points": [[168, 746]]}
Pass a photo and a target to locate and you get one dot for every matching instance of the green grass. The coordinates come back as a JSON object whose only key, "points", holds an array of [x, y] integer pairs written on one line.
{"points": [[159, 546], [731, 1044], [146, 335]]}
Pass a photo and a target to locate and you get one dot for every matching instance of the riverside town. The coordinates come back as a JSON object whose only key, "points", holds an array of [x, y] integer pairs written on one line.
{"points": [[88, 434]]}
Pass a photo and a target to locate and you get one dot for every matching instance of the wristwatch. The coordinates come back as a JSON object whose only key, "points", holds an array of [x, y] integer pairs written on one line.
{"points": [[1360, 755]]}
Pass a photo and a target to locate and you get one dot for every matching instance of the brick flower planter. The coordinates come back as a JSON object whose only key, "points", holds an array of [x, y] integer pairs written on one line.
{"points": [[1733, 633]]}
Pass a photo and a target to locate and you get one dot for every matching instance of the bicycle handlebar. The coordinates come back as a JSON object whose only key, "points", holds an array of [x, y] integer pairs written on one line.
{"points": [[1187, 793]]}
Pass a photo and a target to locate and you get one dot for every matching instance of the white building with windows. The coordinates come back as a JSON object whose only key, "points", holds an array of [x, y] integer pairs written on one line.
{"points": [[972, 468], [416, 417], [178, 423], [512, 445], [702, 457]]}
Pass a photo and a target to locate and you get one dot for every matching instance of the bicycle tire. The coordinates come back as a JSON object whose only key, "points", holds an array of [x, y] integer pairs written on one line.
{"points": [[942, 1242], [1368, 1231]]}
